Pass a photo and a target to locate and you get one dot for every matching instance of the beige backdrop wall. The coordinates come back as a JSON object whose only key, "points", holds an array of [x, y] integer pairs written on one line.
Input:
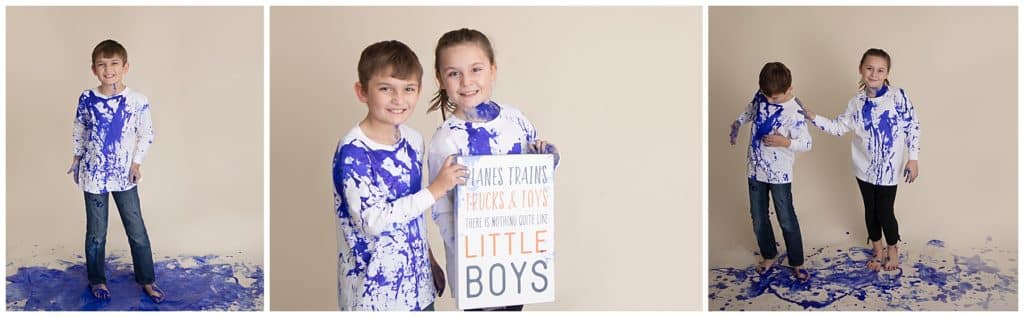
{"points": [[957, 64], [201, 190], [617, 89]]}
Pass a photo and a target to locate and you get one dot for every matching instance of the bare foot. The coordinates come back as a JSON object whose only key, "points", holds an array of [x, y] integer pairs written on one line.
{"points": [[800, 274], [878, 255], [154, 292], [765, 265], [100, 291], [893, 262]]}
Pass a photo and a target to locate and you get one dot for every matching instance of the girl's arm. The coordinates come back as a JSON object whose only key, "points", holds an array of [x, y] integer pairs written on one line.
{"points": [[144, 130], [365, 199], [841, 125], [912, 127]]}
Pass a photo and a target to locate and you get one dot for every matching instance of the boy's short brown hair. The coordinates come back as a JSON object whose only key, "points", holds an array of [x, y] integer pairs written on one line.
{"points": [[109, 48], [774, 79], [393, 55]]}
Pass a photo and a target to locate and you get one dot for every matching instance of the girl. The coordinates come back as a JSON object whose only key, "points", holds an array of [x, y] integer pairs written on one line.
{"points": [[886, 127], [474, 124]]}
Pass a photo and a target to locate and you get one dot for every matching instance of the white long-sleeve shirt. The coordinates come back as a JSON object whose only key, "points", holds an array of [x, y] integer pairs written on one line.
{"points": [[383, 261], [886, 128], [109, 134], [767, 164], [507, 131]]}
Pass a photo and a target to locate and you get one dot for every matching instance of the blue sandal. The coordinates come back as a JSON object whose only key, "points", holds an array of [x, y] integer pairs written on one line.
{"points": [[159, 295], [99, 293]]}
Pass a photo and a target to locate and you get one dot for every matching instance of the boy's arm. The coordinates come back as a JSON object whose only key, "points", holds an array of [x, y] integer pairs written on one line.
{"points": [[800, 138], [444, 208], [144, 130], [746, 116], [78, 131], [366, 200]]}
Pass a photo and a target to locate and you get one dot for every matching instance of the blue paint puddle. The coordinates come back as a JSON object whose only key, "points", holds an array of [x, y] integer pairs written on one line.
{"points": [[933, 278], [189, 282]]}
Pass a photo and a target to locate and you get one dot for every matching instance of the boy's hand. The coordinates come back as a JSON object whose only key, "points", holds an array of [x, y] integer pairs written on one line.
{"points": [[734, 130], [135, 175], [73, 170], [776, 140], [451, 174], [910, 171], [438, 274]]}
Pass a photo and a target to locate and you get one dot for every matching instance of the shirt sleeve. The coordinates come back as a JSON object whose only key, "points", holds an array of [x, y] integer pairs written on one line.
{"points": [[78, 128], [144, 131], [800, 138], [364, 200], [912, 127], [841, 125], [747, 115], [444, 209]]}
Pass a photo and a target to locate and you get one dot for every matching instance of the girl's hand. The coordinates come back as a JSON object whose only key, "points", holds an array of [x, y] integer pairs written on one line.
{"points": [[734, 130], [451, 174], [776, 140], [910, 171], [808, 114], [73, 170], [543, 147], [135, 175]]}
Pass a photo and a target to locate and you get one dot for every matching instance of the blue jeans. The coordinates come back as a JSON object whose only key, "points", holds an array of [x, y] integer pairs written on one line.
{"points": [[96, 235], [782, 196]]}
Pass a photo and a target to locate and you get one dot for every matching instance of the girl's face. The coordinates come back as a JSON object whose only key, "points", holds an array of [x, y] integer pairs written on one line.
{"points": [[874, 71], [466, 75]]}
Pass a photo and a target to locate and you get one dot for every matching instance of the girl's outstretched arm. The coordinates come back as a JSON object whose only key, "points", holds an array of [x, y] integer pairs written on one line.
{"points": [[841, 125]]}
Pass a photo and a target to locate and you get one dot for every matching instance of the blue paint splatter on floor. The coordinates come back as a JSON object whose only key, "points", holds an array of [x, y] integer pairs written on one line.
{"points": [[936, 279], [190, 283]]}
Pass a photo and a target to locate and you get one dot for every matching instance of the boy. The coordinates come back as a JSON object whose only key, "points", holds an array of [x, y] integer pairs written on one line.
{"points": [[777, 131], [112, 133], [384, 262]]}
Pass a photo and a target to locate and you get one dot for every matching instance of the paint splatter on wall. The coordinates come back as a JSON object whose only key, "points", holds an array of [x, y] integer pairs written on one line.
{"points": [[932, 277], [191, 283]]}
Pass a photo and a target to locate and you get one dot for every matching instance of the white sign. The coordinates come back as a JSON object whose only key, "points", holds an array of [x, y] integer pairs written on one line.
{"points": [[506, 231]]}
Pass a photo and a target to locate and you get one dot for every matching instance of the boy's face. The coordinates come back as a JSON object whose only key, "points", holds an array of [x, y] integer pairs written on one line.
{"points": [[389, 100], [110, 70], [781, 97]]}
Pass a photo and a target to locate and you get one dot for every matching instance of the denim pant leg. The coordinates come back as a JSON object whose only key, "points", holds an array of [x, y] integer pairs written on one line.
{"points": [[782, 195], [95, 236], [131, 216], [759, 214]]}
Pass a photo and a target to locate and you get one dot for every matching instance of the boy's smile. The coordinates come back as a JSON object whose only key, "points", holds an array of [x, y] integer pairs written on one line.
{"points": [[390, 101], [110, 70]]}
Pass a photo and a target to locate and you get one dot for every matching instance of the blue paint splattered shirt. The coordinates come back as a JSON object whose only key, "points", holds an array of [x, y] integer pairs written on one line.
{"points": [[774, 165], [110, 133], [506, 131], [886, 129], [383, 262]]}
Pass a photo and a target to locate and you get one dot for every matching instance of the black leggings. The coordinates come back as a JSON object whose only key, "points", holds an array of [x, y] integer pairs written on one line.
{"points": [[878, 211]]}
